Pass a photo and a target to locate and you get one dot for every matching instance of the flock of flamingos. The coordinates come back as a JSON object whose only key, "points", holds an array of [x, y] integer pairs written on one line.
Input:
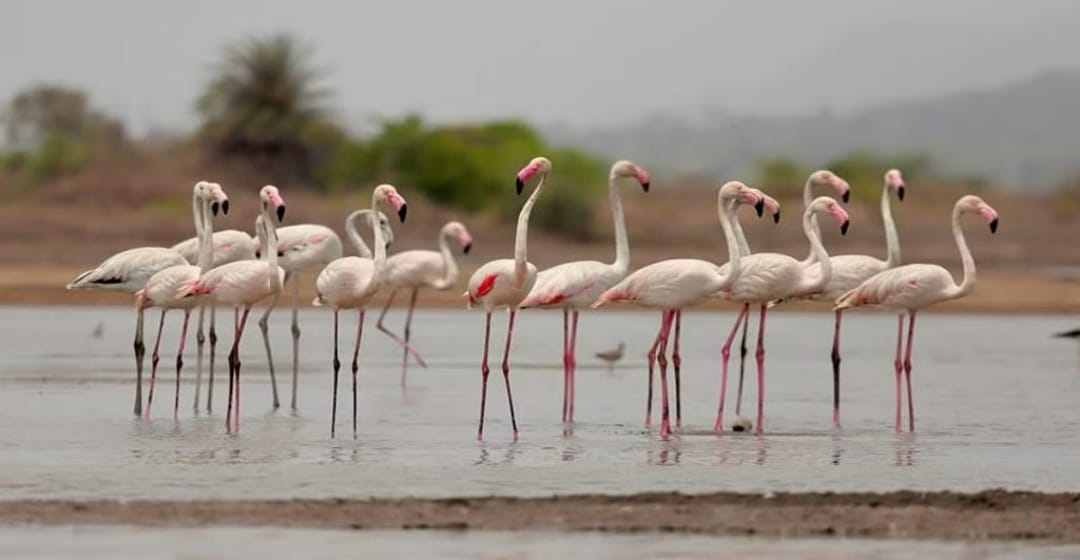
{"points": [[232, 268]]}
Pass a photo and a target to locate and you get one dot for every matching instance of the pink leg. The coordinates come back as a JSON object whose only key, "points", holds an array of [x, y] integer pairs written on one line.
{"points": [[506, 370], [665, 413], [725, 354], [180, 364], [836, 370], [484, 375], [408, 334], [153, 364], [676, 361], [337, 369], [898, 364], [907, 371], [402, 342], [573, 363], [565, 364], [356, 365], [652, 359], [761, 373]]}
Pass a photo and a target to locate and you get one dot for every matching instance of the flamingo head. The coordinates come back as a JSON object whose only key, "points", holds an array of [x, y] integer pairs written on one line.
{"points": [[737, 192], [828, 178], [895, 181], [458, 232], [771, 205], [214, 194], [271, 200], [537, 166], [626, 168], [388, 194], [825, 204], [972, 203]]}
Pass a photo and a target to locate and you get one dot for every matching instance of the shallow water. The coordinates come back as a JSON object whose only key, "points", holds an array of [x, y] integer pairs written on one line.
{"points": [[90, 543], [996, 404]]}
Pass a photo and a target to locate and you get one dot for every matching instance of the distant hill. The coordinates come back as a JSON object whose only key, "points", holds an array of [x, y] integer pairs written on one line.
{"points": [[1023, 135]]}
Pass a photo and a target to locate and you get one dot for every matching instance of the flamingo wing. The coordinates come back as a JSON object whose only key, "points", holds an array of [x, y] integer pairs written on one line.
{"points": [[576, 284], [414, 269], [670, 284], [128, 270], [910, 286]]}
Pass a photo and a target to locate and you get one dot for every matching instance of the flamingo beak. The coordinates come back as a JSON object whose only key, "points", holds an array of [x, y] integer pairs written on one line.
{"points": [[844, 227], [280, 212], [519, 184], [403, 211], [225, 207], [846, 196], [214, 207], [993, 225], [466, 248], [776, 217], [759, 207]]}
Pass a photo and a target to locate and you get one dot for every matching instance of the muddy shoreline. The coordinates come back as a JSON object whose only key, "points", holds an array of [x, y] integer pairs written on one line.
{"points": [[987, 515]]}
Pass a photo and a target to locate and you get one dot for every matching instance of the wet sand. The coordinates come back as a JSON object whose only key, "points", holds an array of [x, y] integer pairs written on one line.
{"points": [[988, 515]]}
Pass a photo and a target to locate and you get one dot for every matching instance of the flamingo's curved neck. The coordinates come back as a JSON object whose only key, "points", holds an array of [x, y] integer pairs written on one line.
{"points": [[622, 242], [892, 240], [450, 267], [270, 242], [380, 243], [521, 238], [726, 212], [736, 227], [817, 252], [204, 232], [967, 285], [806, 198], [354, 236]]}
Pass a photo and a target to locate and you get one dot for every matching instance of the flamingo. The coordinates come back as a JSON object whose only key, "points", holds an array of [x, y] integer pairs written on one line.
{"points": [[848, 271], [242, 284], [351, 282], [505, 283], [913, 287], [414, 270], [128, 271], [302, 248], [770, 276], [164, 289], [573, 286], [673, 284], [227, 246]]}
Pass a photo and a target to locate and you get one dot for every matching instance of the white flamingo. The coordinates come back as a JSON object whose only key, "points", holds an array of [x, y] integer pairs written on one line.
{"points": [[848, 271], [165, 289], [912, 287], [505, 283], [573, 286], [242, 284], [351, 282], [420, 269], [673, 284], [304, 248], [128, 271], [227, 246], [770, 276]]}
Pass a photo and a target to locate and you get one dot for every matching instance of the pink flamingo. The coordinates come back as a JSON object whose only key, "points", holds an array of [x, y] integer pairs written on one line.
{"points": [[848, 271], [673, 284], [165, 289], [303, 248], [573, 286], [128, 271], [418, 269], [227, 246], [912, 287], [242, 284], [351, 282], [770, 276], [505, 283]]}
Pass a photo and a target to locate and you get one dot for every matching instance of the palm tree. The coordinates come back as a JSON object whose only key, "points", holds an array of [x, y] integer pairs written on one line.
{"points": [[264, 103]]}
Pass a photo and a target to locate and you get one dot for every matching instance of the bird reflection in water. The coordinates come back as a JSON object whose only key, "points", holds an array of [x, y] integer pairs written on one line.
{"points": [[669, 453], [905, 450], [512, 451]]}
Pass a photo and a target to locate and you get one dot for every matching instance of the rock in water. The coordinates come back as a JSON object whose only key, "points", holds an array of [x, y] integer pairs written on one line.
{"points": [[742, 424]]}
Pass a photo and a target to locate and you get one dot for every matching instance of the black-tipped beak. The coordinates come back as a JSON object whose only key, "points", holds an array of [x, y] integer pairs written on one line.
{"points": [[214, 207], [519, 184], [900, 193], [993, 226], [388, 244], [645, 187], [225, 207], [402, 212], [776, 217], [281, 213], [846, 196], [759, 207], [466, 248], [844, 226]]}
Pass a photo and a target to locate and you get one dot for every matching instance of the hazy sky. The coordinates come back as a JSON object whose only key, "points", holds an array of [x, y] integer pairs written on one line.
{"points": [[578, 62]]}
